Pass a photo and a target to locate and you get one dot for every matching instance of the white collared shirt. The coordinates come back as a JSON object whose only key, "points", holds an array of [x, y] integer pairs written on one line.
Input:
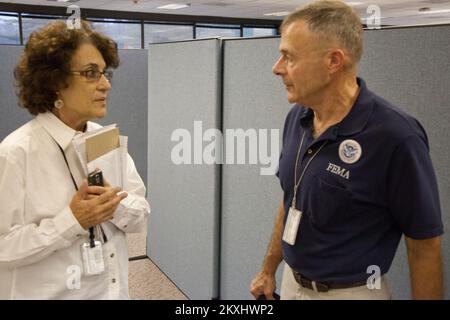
{"points": [[40, 239]]}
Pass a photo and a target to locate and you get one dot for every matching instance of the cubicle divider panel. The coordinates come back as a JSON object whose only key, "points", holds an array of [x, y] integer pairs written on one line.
{"points": [[11, 115], [184, 186], [127, 104], [410, 67], [254, 101]]}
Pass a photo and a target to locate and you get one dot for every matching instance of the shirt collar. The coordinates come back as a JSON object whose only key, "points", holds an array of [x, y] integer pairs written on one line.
{"points": [[359, 115], [58, 130], [356, 119]]}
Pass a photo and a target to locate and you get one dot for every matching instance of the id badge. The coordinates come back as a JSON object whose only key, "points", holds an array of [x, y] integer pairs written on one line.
{"points": [[292, 224], [93, 262]]}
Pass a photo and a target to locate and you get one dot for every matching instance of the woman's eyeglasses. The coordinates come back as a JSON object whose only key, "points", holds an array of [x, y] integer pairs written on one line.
{"points": [[94, 75]]}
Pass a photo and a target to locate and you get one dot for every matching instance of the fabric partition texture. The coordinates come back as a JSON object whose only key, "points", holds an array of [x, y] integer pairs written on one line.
{"points": [[127, 105], [184, 95], [12, 116], [254, 101], [410, 68]]}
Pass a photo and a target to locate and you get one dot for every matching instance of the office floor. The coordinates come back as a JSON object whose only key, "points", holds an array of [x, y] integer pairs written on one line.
{"points": [[146, 281]]}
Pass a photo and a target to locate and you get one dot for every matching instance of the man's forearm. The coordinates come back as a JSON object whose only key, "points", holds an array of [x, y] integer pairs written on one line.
{"points": [[274, 255], [425, 264]]}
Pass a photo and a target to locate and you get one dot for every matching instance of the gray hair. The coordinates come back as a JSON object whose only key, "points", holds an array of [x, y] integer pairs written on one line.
{"points": [[332, 20]]}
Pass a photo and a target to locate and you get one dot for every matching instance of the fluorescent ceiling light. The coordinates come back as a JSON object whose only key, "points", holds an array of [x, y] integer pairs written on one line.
{"points": [[174, 6], [277, 14], [435, 11], [420, 13], [63, 0], [371, 18]]}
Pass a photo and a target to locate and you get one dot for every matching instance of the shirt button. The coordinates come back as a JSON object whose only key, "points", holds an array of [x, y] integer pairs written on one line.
{"points": [[310, 151], [112, 255], [113, 280]]}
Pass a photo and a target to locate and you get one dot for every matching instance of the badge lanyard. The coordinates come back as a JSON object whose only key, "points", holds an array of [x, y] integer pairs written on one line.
{"points": [[91, 229], [297, 184]]}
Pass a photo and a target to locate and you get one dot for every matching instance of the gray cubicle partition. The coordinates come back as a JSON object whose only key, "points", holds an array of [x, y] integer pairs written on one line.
{"points": [[409, 67], [11, 116], [184, 92], [127, 103], [253, 99]]}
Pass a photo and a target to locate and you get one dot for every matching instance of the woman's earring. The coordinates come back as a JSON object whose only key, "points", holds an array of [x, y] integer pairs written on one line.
{"points": [[58, 104]]}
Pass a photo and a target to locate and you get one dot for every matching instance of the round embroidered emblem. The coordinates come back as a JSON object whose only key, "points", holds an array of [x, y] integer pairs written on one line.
{"points": [[350, 151]]}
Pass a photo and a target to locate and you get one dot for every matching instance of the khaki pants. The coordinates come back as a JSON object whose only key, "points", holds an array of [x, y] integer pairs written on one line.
{"points": [[291, 290]]}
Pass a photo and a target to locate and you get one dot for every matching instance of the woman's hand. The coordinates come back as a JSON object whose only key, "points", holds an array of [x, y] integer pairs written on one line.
{"points": [[93, 205]]}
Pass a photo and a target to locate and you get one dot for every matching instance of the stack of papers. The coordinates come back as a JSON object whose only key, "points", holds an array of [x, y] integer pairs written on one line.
{"points": [[103, 149]]}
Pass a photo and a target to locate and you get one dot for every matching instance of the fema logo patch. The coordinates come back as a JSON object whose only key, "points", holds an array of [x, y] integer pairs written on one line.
{"points": [[350, 151]]}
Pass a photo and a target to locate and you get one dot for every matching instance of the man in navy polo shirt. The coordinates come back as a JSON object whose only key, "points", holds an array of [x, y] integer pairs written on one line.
{"points": [[355, 171]]}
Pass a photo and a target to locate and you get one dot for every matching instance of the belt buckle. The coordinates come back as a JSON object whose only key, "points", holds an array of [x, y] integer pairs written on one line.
{"points": [[310, 284], [319, 286]]}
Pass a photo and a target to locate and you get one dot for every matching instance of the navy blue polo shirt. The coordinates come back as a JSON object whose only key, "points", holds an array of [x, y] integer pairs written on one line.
{"points": [[354, 212]]}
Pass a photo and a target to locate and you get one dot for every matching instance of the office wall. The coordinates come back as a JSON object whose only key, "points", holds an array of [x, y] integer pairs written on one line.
{"points": [[184, 86], [127, 103]]}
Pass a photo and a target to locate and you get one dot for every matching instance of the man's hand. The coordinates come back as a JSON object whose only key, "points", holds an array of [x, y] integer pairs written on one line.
{"points": [[92, 205], [263, 284]]}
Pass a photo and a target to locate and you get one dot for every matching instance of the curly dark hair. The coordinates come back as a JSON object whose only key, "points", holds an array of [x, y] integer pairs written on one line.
{"points": [[44, 66]]}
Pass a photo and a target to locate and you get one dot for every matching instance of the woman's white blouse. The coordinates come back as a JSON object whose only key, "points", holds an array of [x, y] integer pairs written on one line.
{"points": [[40, 239]]}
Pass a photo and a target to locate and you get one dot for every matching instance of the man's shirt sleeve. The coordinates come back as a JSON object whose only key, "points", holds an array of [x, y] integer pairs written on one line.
{"points": [[412, 190]]}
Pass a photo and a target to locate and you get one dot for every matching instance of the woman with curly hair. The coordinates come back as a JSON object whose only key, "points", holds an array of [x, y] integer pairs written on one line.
{"points": [[49, 216]]}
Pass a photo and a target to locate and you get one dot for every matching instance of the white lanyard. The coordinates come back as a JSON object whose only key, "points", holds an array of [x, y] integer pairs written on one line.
{"points": [[297, 184]]}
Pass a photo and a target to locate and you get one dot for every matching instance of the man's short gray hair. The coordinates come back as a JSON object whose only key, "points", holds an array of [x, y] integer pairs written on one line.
{"points": [[332, 20]]}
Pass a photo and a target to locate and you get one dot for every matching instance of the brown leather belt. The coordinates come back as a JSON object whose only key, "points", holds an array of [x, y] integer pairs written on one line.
{"points": [[323, 286]]}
